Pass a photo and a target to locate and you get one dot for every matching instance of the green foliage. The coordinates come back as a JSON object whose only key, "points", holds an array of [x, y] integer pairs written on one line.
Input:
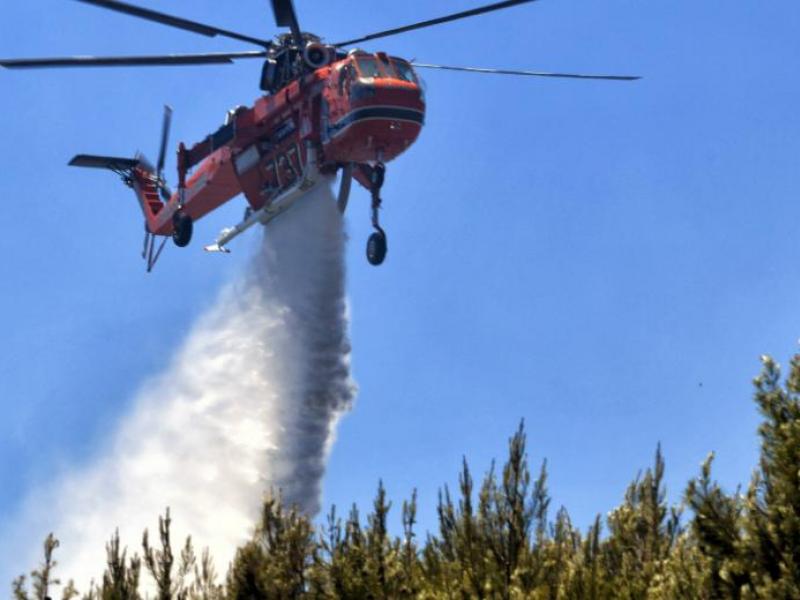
{"points": [[773, 499], [205, 585], [160, 563], [641, 534], [121, 579], [495, 541], [42, 578], [276, 563]]}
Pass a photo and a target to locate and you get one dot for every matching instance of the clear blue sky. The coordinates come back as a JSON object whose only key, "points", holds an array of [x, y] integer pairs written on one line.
{"points": [[605, 260]]}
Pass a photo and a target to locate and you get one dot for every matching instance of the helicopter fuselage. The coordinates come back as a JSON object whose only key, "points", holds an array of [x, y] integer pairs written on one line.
{"points": [[364, 109]]}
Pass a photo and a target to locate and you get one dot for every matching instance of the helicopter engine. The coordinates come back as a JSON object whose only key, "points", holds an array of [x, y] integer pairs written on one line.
{"points": [[317, 55]]}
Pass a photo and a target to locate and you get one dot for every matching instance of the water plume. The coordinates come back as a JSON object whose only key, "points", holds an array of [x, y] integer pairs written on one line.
{"points": [[249, 403]]}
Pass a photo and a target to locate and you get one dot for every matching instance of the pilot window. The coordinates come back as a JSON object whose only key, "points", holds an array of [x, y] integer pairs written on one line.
{"points": [[368, 66], [387, 67], [404, 70]]}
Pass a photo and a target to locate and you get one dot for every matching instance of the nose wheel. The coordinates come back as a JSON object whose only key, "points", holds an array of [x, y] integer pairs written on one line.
{"points": [[376, 243]]}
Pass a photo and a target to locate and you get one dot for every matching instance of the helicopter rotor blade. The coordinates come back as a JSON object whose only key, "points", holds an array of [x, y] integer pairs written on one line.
{"points": [[438, 21], [285, 16], [130, 61], [527, 73], [162, 186], [172, 21], [162, 151]]}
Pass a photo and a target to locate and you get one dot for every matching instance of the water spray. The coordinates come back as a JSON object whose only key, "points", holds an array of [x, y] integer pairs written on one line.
{"points": [[248, 405]]}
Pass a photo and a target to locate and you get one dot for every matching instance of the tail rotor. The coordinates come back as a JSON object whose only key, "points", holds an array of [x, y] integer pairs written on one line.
{"points": [[163, 188], [150, 253]]}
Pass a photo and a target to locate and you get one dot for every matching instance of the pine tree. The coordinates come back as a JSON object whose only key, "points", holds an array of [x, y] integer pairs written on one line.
{"points": [[276, 563], [160, 563], [42, 578], [121, 578], [410, 576], [345, 547], [205, 585], [246, 577], [642, 532], [717, 528], [500, 544], [773, 499]]}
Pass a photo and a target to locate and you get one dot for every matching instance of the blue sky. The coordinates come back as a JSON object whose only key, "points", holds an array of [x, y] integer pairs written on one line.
{"points": [[605, 260]]}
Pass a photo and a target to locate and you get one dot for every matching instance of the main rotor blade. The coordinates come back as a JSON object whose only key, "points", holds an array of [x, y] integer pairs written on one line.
{"points": [[177, 22], [285, 16], [527, 73], [130, 61], [446, 19]]}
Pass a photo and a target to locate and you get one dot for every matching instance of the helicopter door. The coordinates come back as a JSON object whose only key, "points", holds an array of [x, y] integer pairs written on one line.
{"points": [[270, 179], [325, 120], [287, 171], [346, 75]]}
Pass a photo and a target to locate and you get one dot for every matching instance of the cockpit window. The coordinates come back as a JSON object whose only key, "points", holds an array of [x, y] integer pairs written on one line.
{"points": [[404, 70], [368, 66], [387, 66]]}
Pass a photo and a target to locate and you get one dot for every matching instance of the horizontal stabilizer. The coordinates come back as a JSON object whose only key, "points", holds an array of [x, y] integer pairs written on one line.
{"points": [[103, 162]]}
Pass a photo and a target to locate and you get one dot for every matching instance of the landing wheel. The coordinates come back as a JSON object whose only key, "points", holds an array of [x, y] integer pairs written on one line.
{"points": [[376, 244], [182, 229], [376, 248]]}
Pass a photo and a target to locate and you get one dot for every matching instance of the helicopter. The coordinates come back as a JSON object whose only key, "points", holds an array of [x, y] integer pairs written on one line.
{"points": [[324, 109]]}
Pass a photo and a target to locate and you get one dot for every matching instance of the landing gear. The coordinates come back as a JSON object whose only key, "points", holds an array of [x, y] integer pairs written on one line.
{"points": [[376, 244], [376, 176], [181, 229], [376, 247]]}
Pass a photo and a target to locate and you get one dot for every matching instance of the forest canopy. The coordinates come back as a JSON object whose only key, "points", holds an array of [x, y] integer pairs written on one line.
{"points": [[501, 539]]}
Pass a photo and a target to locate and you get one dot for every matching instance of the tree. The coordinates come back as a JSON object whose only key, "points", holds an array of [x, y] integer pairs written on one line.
{"points": [[121, 578], [42, 578], [772, 524], [205, 585], [642, 532], [160, 563], [276, 562], [717, 528], [500, 543]]}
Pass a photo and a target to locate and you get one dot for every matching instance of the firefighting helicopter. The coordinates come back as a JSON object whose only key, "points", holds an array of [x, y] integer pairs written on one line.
{"points": [[324, 109]]}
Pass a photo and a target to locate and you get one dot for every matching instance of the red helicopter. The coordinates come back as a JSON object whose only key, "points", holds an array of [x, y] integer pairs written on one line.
{"points": [[324, 109]]}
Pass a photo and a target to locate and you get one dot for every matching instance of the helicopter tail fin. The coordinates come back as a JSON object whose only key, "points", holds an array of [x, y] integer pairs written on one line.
{"points": [[138, 174]]}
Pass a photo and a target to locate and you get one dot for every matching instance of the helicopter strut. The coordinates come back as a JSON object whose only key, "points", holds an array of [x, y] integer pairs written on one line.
{"points": [[376, 244]]}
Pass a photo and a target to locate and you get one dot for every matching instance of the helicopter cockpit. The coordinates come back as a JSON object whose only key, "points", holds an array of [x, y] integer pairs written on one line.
{"points": [[381, 66], [361, 75]]}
